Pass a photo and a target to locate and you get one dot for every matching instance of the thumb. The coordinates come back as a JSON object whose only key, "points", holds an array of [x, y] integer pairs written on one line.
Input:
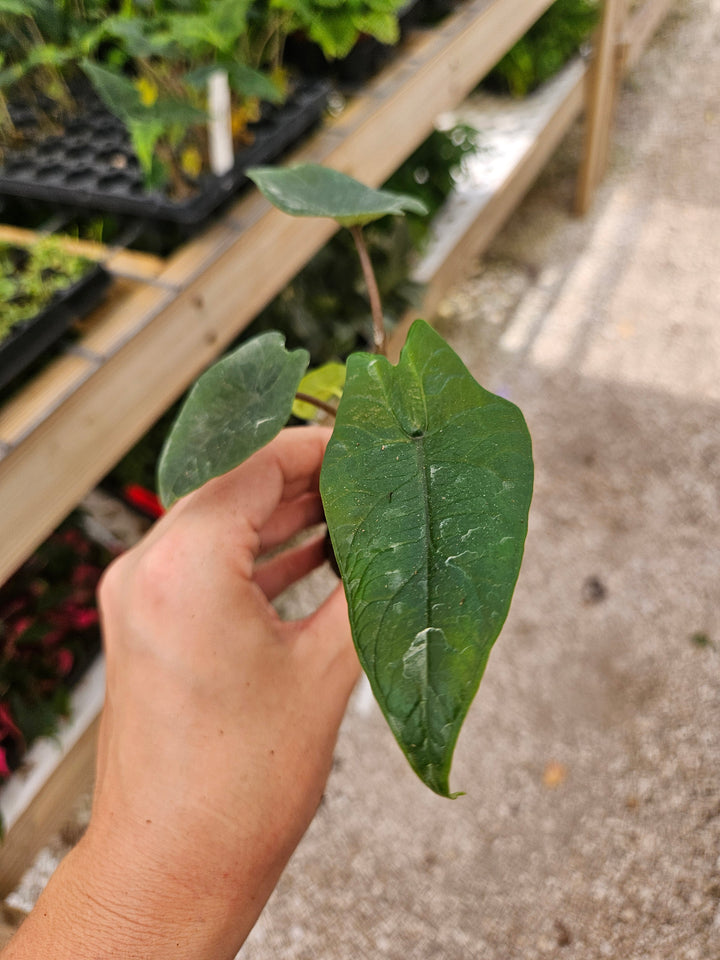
{"points": [[327, 632]]}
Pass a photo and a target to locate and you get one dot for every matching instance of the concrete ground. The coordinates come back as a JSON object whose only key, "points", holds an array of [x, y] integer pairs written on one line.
{"points": [[591, 757]]}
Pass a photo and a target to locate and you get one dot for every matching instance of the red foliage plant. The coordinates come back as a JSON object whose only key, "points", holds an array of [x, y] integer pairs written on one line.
{"points": [[49, 634]]}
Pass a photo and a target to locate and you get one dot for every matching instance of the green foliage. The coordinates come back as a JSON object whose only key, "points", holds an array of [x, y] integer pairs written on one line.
{"points": [[336, 27], [546, 47], [311, 190], [234, 409], [146, 122], [31, 276], [325, 308], [430, 174], [149, 63], [426, 485]]}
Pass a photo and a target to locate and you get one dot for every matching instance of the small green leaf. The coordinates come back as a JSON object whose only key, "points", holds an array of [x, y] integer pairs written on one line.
{"points": [[145, 135], [122, 98], [117, 92], [234, 409], [383, 26], [137, 39], [335, 33], [324, 383], [311, 190], [426, 485]]}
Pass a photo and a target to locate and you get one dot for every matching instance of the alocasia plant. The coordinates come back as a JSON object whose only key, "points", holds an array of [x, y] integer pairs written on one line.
{"points": [[426, 485]]}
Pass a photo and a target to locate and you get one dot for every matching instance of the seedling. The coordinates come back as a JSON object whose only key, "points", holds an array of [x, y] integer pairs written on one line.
{"points": [[30, 278], [426, 484]]}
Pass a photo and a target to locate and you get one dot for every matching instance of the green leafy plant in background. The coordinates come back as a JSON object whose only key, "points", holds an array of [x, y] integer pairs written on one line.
{"points": [[426, 485], [335, 27], [31, 276], [40, 44], [546, 47], [149, 63]]}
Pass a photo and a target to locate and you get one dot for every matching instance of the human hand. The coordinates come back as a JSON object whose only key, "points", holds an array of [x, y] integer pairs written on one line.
{"points": [[220, 719]]}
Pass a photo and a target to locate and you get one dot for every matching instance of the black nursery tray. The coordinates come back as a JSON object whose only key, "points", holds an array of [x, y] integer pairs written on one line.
{"points": [[92, 165], [29, 338]]}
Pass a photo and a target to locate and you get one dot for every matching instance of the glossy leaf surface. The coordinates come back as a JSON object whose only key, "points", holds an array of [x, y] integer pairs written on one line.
{"points": [[311, 190], [426, 483], [234, 409]]}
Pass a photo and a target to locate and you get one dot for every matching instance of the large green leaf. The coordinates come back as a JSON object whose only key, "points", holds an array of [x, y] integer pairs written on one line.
{"points": [[426, 484], [234, 409], [311, 190]]}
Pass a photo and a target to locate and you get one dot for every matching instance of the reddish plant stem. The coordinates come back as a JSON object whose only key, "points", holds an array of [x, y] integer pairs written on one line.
{"points": [[320, 404], [372, 287]]}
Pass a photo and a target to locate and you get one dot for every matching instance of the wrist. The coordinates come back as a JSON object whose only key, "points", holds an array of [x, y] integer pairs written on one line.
{"points": [[120, 905]]}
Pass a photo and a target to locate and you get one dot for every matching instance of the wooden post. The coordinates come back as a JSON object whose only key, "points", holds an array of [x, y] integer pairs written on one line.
{"points": [[602, 84]]}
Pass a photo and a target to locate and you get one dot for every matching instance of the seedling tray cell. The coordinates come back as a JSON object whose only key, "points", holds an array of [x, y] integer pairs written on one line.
{"points": [[92, 166], [28, 339]]}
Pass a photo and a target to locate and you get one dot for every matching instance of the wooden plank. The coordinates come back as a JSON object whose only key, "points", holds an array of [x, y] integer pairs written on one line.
{"points": [[641, 28], [51, 808], [620, 43], [24, 237], [618, 56], [128, 263], [600, 98], [134, 265], [192, 259], [45, 392], [125, 318]]}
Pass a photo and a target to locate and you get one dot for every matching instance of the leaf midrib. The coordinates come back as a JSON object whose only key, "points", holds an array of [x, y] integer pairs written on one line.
{"points": [[419, 443]]}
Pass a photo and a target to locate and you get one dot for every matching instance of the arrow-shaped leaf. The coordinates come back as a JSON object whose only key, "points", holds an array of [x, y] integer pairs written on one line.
{"points": [[311, 190], [426, 484], [234, 409]]}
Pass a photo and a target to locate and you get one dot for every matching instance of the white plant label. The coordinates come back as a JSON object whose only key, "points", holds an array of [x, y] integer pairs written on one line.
{"points": [[220, 145]]}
